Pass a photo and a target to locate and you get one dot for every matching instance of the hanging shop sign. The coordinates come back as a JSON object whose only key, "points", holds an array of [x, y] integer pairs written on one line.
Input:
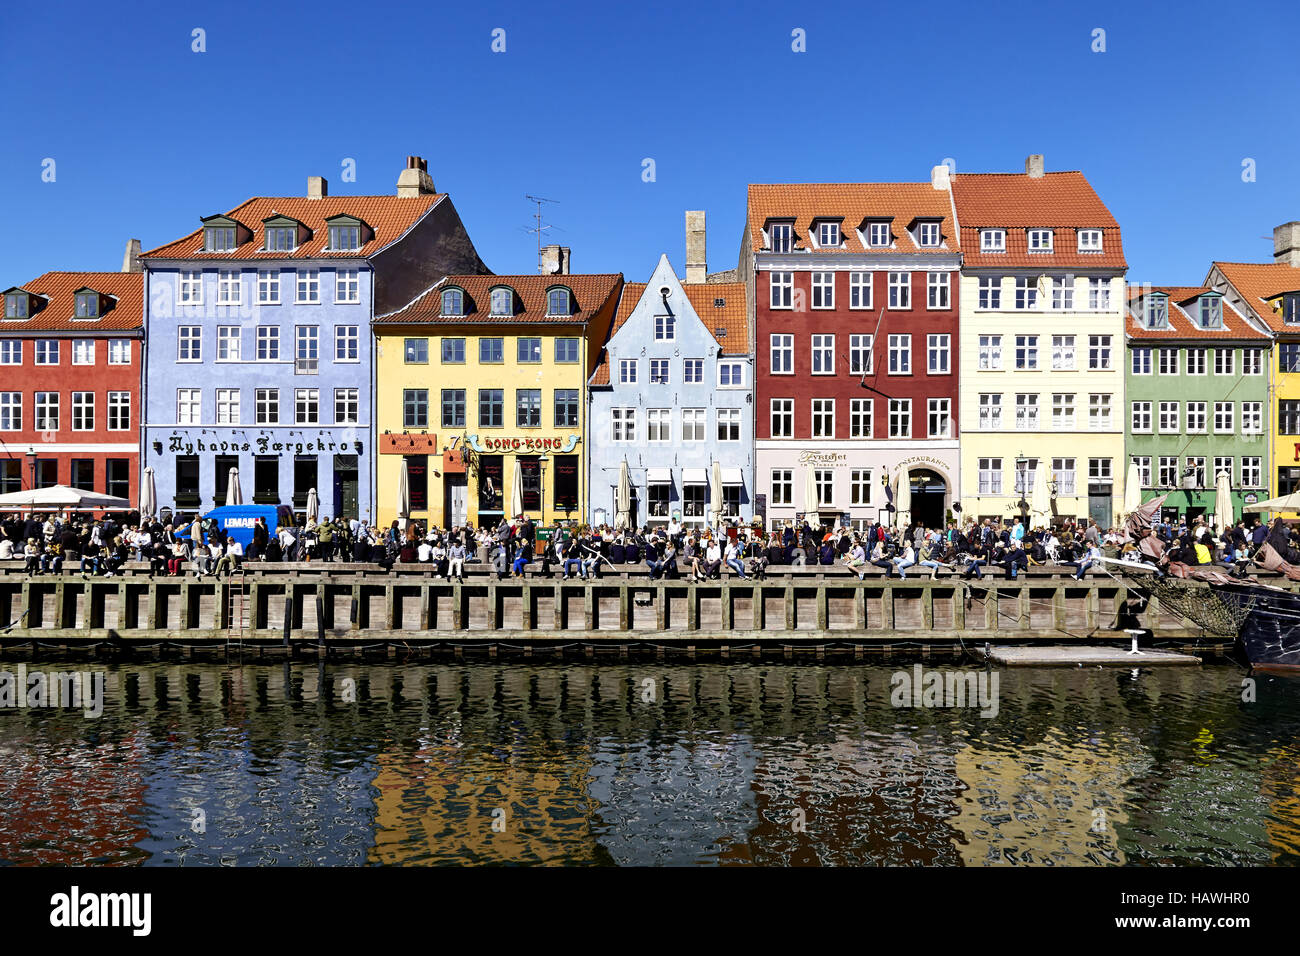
{"points": [[529, 444], [408, 444]]}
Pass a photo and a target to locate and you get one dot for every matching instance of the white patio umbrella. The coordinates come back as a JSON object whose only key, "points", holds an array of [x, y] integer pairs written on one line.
{"points": [[1287, 504], [61, 496], [1223, 515], [313, 504], [148, 494], [623, 498], [715, 495], [903, 499], [403, 496], [1132, 488], [1040, 499], [234, 493], [810, 503], [517, 492]]}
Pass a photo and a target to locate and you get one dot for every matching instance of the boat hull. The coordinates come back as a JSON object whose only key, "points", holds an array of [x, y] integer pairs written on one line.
{"points": [[1270, 634]]}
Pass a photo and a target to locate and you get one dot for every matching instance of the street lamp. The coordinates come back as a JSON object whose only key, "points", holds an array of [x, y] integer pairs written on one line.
{"points": [[31, 467], [541, 475]]}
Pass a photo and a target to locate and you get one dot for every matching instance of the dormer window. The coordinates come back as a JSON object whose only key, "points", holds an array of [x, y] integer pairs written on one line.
{"points": [[219, 239], [828, 234], [1157, 311], [927, 234], [281, 239], [1291, 308], [1040, 240], [993, 240], [87, 305], [557, 302], [878, 234], [347, 233], [1089, 240], [453, 302], [502, 300], [780, 236], [1211, 312], [16, 305]]}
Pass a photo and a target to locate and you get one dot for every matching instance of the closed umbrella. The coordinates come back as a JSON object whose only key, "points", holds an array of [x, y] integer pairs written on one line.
{"points": [[1223, 516], [234, 494], [903, 499], [149, 494], [313, 504], [1132, 488], [1040, 499], [715, 494], [623, 498], [403, 496], [810, 503], [517, 491]]}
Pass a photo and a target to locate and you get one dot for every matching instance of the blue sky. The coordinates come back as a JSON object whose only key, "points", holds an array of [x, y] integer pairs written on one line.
{"points": [[147, 135]]}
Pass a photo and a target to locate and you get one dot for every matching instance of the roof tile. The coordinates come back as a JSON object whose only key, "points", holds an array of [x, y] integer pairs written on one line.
{"points": [[853, 202], [60, 289]]}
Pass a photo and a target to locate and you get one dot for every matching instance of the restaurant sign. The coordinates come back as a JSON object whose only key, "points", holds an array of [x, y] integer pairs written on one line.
{"points": [[822, 458], [531, 444], [263, 444]]}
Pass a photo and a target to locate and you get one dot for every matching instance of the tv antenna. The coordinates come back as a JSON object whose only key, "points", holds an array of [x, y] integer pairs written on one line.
{"points": [[538, 228]]}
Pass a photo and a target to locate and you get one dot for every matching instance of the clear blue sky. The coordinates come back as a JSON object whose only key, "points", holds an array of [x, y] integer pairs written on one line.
{"points": [[148, 136]]}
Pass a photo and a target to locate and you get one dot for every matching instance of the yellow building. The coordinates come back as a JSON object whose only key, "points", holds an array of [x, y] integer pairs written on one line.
{"points": [[481, 392]]}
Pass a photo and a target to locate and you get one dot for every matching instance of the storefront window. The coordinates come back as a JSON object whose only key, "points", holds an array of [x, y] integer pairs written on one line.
{"points": [[417, 481], [221, 480], [118, 477], [304, 480], [532, 482], [566, 483], [187, 481], [83, 474], [693, 505], [490, 475], [266, 480], [659, 500]]}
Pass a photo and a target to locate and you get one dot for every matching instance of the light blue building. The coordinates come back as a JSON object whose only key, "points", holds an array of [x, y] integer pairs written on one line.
{"points": [[258, 344], [671, 396]]}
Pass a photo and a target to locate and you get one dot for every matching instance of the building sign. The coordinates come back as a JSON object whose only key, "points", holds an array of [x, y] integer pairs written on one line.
{"points": [[453, 462], [920, 460], [529, 444], [1251, 498], [408, 444], [262, 444], [823, 458]]}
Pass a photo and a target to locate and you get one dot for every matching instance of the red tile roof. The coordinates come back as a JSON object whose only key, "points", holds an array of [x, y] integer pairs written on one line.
{"points": [[852, 202], [1258, 281], [727, 323], [388, 216], [59, 290], [1063, 202], [591, 293], [1181, 323]]}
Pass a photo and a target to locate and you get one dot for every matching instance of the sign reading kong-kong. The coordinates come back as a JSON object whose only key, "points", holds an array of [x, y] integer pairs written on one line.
{"points": [[526, 444]]}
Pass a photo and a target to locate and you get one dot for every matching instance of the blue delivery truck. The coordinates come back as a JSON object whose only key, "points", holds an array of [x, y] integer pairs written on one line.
{"points": [[237, 520]]}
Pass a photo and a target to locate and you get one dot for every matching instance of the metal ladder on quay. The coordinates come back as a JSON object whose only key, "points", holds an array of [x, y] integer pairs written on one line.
{"points": [[236, 609]]}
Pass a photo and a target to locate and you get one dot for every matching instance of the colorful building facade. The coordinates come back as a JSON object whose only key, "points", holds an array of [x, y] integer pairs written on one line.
{"points": [[671, 397]]}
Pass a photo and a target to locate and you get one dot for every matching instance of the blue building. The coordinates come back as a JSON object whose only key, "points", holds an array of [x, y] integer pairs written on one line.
{"points": [[258, 344], [671, 396]]}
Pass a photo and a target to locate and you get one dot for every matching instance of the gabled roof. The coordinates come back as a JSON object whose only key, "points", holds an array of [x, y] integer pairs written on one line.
{"points": [[591, 293], [1256, 282], [1063, 202], [1182, 325], [61, 288], [805, 203], [389, 216]]}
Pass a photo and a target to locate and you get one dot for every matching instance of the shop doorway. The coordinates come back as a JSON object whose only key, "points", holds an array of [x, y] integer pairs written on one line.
{"points": [[456, 500], [929, 498], [345, 486]]}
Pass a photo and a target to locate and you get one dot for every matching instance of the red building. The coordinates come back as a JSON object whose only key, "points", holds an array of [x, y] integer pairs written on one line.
{"points": [[70, 346], [855, 318]]}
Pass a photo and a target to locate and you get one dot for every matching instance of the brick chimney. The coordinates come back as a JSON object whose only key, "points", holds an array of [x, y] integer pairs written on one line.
{"points": [[1034, 166], [555, 260], [1286, 244], [415, 179], [131, 259], [939, 177], [318, 187], [697, 259]]}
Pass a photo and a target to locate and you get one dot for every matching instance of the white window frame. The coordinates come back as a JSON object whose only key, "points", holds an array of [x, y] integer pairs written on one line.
{"points": [[193, 336], [1040, 240], [823, 290], [862, 412], [899, 297], [938, 353], [939, 411], [268, 286], [781, 410], [229, 341], [900, 413], [227, 402], [230, 286], [307, 287], [781, 344], [119, 351], [938, 292], [1089, 240], [347, 281], [695, 423], [993, 241], [860, 290], [990, 353], [1140, 418], [781, 290], [822, 354], [189, 406], [345, 335], [189, 287], [1063, 410], [822, 411]]}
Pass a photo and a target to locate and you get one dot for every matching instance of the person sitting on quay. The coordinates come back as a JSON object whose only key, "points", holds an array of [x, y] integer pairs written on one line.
{"points": [[976, 560], [32, 552], [665, 566], [568, 553], [732, 560], [1015, 559], [906, 559], [232, 560], [928, 557], [52, 558], [856, 559], [1089, 558], [456, 561]]}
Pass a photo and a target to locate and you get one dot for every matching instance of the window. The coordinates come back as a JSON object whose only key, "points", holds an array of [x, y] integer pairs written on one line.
{"points": [[1143, 465], [453, 302], [939, 351], [1026, 292], [1196, 361], [189, 406], [990, 351], [1288, 414], [828, 234], [1026, 412], [557, 302], [823, 290], [453, 408], [1167, 423], [308, 286], [1156, 311], [117, 477], [227, 406], [659, 371], [566, 350], [1289, 356], [347, 343], [218, 238], [993, 240], [228, 286], [1224, 417], [83, 352], [1210, 312], [268, 287], [990, 294], [1223, 363], [453, 350], [780, 236], [665, 328], [1062, 293], [879, 234], [693, 421], [1062, 410], [1252, 418], [900, 290], [306, 402], [1099, 469], [11, 412], [1099, 294], [1141, 361], [1291, 309], [1252, 361], [728, 424], [860, 486], [1040, 240], [528, 351], [927, 234], [189, 288], [1141, 417], [566, 408], [990, 411], [491, 351], [1026, 352], [280, 238], [306, 349], [345, 238], [1167, 361], [623, 424], [732, 374], [415, 408], [1196, 466], [1098, 352], [900, 355], [1252, 471], [823, 355], [990, 476], [900, 418], [859, 290], [1089, 240], [268, 343], [16, 306], [1063, 352], [347, 286], [227, 343], [693, 371], [1099, 411], [11, 351], [266, 406], [491, 407], [782, 410], [47, 351], [528, 407], [782, 486], [824, 481], [347, 406], [937, 291], [823, 418], [782, 354], [627, 371], [659, 424], [1196, 418], [83, 474], [501, 302], [782, 289], [861, 415], [1063, 471], [266, 479], [1167, 471], [940, 410]]}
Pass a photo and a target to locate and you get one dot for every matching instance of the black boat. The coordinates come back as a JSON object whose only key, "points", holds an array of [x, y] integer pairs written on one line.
{"points": [[1269, 629]]}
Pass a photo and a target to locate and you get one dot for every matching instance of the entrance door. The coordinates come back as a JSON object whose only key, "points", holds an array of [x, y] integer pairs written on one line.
{"points": [[456, 492], [345, 486], [929, 492], [1099, 509]]}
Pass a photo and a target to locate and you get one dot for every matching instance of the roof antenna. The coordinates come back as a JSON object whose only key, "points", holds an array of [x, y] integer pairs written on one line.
{"points": [[538, 228]]}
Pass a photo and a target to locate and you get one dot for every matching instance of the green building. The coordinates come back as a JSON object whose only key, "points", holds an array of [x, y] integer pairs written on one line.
{"points": [[1197, 389]]}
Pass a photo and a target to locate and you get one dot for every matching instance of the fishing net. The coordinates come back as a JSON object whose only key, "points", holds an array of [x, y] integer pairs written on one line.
{"points": [[1221, 615]]}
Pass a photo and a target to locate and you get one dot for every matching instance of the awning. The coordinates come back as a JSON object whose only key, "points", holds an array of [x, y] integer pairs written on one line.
{"points": [[695, 476], [732, 476], [658, 476]]}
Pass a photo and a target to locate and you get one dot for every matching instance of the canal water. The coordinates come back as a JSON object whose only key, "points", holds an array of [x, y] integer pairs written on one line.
{"points": [[658, 764]]}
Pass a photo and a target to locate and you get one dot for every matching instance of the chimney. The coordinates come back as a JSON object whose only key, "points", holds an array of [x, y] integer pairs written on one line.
{"points": [[555, 260], [939, 177], [415, 179], [1034, 166], [131, 260], [1286, 244], [318, 187], [697, 259]]}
